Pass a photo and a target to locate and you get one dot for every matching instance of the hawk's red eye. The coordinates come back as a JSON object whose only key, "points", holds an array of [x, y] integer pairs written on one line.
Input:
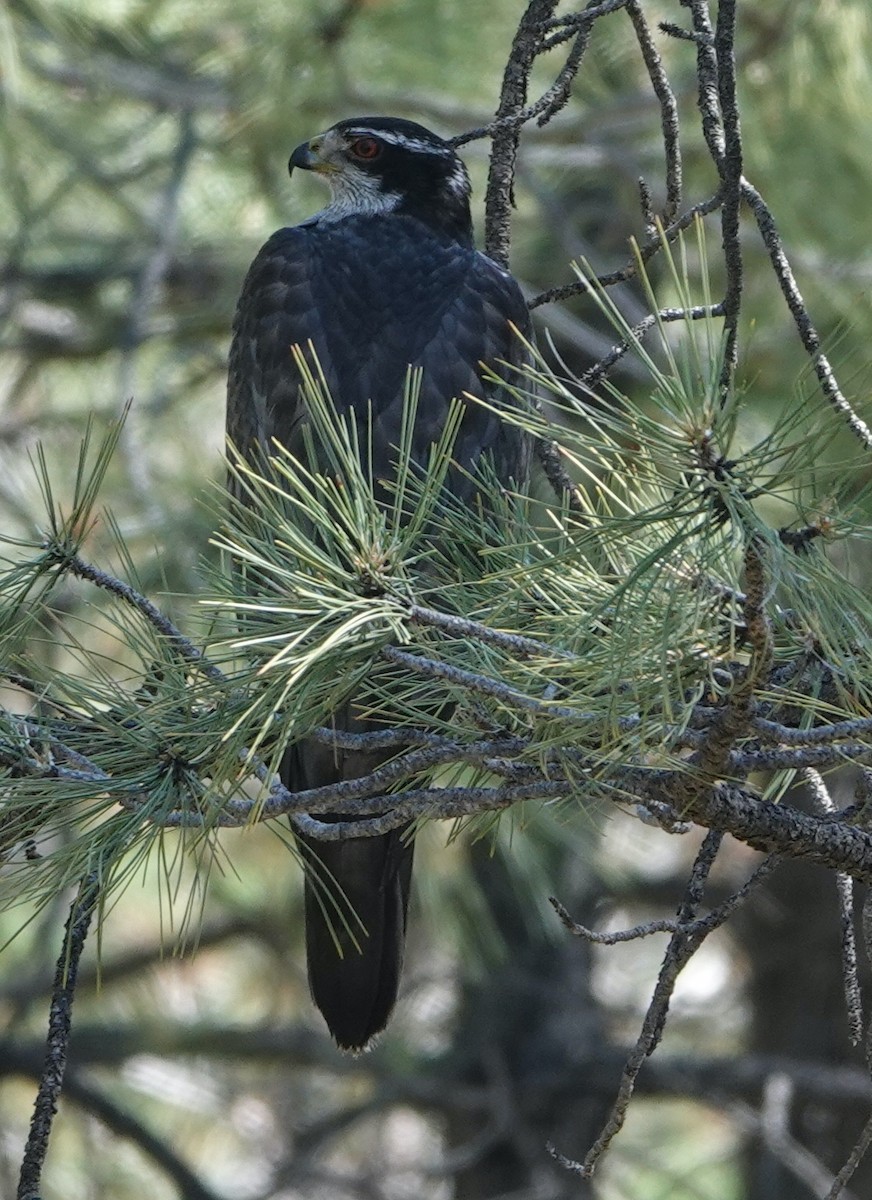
{"points": [[365, 148]]}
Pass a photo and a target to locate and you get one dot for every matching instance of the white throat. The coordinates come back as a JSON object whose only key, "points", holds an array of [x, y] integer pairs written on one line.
{"points": [[356, 194]]}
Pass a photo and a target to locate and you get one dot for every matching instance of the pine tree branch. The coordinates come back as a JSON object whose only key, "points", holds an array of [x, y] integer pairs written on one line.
{"points": [[683, 944], [668, 110], [645, 253], [730, 165], [808, 334], [59, 1025], [505, 137]]}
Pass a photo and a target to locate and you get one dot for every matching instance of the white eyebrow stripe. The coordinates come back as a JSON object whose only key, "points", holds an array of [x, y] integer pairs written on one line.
{"points": [[400, 139]]}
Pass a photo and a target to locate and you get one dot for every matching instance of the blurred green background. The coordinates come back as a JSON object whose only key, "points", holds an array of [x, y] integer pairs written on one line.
{"points": [[144, 151]]}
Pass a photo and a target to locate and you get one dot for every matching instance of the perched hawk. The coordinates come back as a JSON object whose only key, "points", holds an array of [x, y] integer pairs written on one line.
{"points": [[386, 276]]}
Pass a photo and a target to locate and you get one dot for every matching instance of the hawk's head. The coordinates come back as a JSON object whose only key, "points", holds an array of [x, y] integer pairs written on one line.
{"points": [[378, 165]]}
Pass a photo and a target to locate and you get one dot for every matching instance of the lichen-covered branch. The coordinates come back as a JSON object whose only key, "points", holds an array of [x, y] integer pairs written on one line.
{"points": [[59, 1025]]}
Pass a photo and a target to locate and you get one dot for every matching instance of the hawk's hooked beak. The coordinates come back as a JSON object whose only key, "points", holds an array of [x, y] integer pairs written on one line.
{"points": [[307, 158]]}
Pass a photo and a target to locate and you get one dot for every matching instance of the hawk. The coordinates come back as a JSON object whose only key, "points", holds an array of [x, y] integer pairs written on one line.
{"points": [[385, 278]]}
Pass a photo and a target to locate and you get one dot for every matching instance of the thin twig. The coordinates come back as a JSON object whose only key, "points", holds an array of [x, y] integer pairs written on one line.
{"points": [[808, 334], [774, 731], [702, 925], [631, 268], [730, 168], [699, 312], [615, 938], [181, 644], [433, 803], [59, 1024], [707, 80], [486, 686], [858, 1153], [332, 795], [845, 889], [504, 144], [556, 95], [742, 762], [463, 627], [682, 946], [668, 109]]}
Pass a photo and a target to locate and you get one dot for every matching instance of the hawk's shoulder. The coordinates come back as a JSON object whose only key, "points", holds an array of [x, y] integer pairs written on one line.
{"points": [[373, 295]]}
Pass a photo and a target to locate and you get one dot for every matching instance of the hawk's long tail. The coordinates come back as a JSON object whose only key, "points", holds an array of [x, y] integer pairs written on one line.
{"points": [[356, 896]]}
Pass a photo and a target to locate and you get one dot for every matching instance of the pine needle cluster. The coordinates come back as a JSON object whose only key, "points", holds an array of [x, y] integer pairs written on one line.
{"points": [[561, 649]]}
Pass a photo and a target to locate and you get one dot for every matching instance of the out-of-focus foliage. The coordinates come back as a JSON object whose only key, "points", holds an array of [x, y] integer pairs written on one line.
{"points": [[143, 161]]}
